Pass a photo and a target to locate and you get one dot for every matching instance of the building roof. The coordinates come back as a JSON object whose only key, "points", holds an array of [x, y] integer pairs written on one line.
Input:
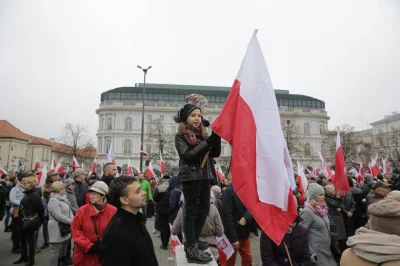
{"points": [[8, 130], [204, 90], [394, 117]]}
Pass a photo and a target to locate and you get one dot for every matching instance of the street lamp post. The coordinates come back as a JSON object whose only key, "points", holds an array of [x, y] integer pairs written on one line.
{"points": [[142, 130]]}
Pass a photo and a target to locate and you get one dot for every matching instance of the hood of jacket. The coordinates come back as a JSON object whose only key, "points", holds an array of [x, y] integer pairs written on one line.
{"points": [[20, 187], [173, 183], [375, 246]]}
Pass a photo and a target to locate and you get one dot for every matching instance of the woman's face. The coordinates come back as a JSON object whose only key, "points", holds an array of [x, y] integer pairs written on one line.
{"points": [[320, 198], [96, 198], [194, 119], [27, 185]]}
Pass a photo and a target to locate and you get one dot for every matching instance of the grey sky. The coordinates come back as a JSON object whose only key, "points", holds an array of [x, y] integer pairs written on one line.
{"points": [[57, 57]]}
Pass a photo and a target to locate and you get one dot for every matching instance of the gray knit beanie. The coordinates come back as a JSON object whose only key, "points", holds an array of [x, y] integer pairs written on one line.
{"points": [[385, 216], [314, 190], [368, 178]]}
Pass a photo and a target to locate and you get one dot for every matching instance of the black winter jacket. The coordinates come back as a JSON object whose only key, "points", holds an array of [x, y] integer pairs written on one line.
{"points": [[232, 210], [191, 157], [127, 242], [31, 204]]}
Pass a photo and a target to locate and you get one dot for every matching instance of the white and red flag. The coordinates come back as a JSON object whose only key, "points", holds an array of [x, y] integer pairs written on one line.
{"points": [[325, 168], [385, 166], [162, 165], [37, 164], [250, 122], [150, 171], [143, 153], [339, 180], [220, 175], [53, 164], [361, 171], [225, 249], [75, 163], [129, 171], [94, 165], [110, 155], [374, 166], [3, 171], [303, 183], [42, 176], [59, 168]]}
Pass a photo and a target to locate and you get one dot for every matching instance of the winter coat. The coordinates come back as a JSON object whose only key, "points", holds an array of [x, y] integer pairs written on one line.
{"points": [[127, 242], [351, 259], [174, 198], [59, 211], [72, 200], [319, 238], [107, 179], [80, 192], [218, 200], [31, 204], [84, 234], [212, 228], [161, 197], [336, 216], [349, 205], [3, 198], [366, 188], [232, 210], [191, 157], [16, 195], [297, 243]]}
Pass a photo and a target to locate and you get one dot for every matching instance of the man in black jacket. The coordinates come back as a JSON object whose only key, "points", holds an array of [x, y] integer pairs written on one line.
{"points": [[237, 222], [126, 240]]}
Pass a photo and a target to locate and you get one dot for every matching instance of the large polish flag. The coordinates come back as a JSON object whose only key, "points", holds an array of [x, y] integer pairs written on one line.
{"points": [[75, 163], [250, 122], [339, 180]]}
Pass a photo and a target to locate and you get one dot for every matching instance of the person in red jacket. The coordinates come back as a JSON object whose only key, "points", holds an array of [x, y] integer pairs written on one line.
{"points": [[89, 224]]}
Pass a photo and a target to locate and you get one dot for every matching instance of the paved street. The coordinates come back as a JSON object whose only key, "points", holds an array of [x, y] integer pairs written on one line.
{"points": [[6, 258]]}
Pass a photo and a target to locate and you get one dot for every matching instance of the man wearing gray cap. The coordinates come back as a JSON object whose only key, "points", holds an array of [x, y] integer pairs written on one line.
{"points": [[80, 186]]}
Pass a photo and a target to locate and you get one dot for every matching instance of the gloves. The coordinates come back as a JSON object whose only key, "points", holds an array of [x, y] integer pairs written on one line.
{"points": [[95, 247], [211, 140]]}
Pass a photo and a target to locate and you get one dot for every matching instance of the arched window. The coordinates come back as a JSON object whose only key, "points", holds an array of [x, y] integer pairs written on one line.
{"points": [[109, 123], [127, 146], [307, 149], [128, 123], [323, 149], [108, 144], [306, 129], [100, 145], [102, 123]]}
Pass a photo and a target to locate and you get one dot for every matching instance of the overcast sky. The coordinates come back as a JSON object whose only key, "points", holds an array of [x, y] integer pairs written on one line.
{"points": [[57, 57]]}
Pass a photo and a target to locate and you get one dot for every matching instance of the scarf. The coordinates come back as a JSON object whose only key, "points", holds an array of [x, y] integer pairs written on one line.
{"points": [[319, 209], [193, 136], [375, 246]]}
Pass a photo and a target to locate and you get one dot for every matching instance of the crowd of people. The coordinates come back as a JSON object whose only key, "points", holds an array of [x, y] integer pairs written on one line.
{"points": [[87, 219]]}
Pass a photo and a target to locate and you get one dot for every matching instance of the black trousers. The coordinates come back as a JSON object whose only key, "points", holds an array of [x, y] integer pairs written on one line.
{"points": [[197, 206], [165, 231], [16, 226], [28, 245]]}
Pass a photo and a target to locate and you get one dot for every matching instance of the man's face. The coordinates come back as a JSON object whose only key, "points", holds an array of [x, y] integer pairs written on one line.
{"points": [[81, 177], [55, 177], [330, 191], [141, 176], [382, 191], [111, 170], [136, 197]]}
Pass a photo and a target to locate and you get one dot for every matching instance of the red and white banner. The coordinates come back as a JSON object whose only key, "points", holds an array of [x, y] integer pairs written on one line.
{"points": [[37, 164], [339, 180], [225, 249], [250, 122], [75, 163]]}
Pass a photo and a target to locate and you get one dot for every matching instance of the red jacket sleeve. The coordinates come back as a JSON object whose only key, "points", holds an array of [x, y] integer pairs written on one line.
{"points": [[77, 231]]}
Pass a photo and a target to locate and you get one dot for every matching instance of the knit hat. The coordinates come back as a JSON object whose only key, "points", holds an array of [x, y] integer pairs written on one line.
{"points": [[216, 189], [385, 216], [184, 112], [99, 187], [314, 190], [197, 99], [69, 181], [79, 172], [368, 178]]}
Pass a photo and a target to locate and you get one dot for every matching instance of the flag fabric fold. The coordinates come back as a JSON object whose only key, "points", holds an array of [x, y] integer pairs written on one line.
{"points": [[150, 171], [339, 180], [75, 163], [250, 122], [37, 164]]}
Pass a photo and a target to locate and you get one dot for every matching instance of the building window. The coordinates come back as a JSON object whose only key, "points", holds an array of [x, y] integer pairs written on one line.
{"points": [[108, 145], [149, 118], [109, 123], [127, 146], [100, 145], [42, 154], [173, 129], [307, 149], [323, 149], [161, 117], [102, 123], [128, 123], [161, 129], [306, 129], [148, 129], [321, 129], [148, 148]]}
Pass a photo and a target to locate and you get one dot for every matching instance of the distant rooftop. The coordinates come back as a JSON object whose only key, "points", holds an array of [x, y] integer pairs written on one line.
{"points": [[388, 118], [173, 93]]}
